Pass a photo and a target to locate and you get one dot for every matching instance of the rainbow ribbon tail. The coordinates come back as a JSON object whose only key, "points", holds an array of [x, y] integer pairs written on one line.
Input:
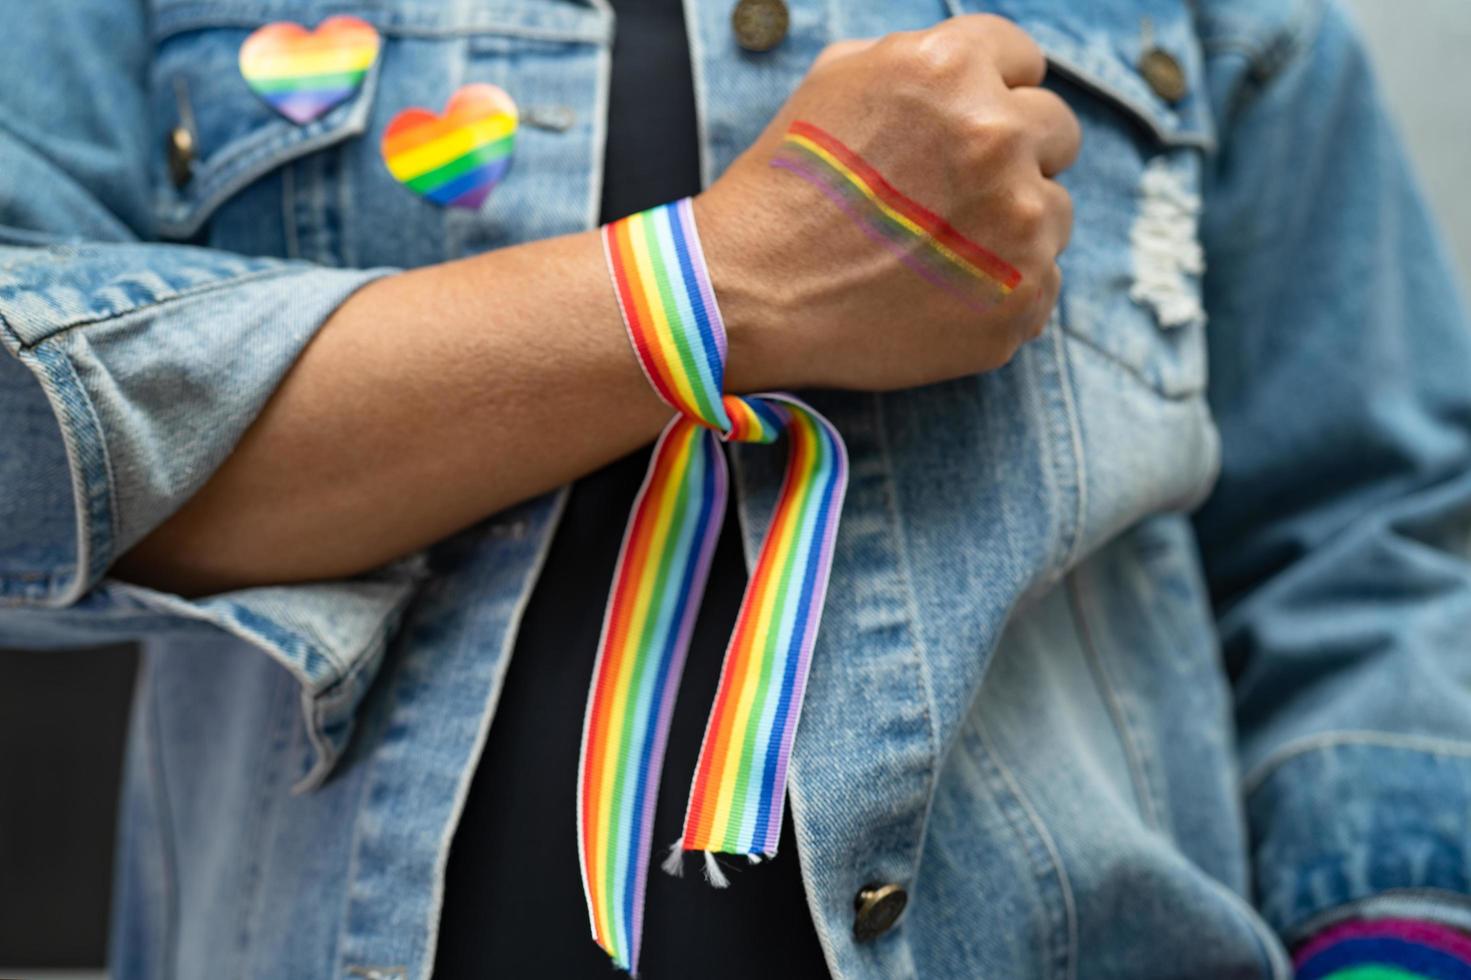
{"points": [[658, 582], [739, 790]]}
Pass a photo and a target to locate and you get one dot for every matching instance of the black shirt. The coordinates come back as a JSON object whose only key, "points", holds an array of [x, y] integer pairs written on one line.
{"points": [[513, 896]]}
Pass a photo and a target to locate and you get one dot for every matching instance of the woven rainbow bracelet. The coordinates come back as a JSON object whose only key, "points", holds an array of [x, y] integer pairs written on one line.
{"points": [[739, 787]]}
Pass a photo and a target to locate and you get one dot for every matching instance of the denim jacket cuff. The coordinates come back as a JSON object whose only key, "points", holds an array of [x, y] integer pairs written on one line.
{"points": [[154, 360], [1362, 823]]}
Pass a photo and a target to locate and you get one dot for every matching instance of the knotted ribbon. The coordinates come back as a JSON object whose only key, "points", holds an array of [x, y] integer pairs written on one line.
{"points": [[739, 787]]}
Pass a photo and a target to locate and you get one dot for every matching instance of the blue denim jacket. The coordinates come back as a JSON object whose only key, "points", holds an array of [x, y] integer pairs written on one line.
{"points": [[1091, 733]]}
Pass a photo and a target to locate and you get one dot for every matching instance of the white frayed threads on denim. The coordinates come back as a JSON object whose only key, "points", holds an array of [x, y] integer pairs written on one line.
{"points": [[1166, 247]]}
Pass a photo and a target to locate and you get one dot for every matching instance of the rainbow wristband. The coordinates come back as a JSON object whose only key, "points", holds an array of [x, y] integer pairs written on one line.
{"points": [[739, 787]]}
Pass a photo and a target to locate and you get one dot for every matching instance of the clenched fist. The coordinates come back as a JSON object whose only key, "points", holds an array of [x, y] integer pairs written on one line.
{"points": [[951, 118]]}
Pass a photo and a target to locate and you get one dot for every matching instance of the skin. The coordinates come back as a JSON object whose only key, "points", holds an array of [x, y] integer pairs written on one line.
{"points": [[520, 378]]}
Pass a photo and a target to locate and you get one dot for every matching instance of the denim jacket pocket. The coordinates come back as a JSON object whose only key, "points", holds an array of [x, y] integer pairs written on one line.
{"points": [[236, 138], [263, 185], [1132, 272]]}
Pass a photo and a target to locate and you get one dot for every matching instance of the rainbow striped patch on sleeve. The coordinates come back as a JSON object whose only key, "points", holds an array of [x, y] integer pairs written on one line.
{"points": [[739, 786], [1385, 949], [921, 239]]}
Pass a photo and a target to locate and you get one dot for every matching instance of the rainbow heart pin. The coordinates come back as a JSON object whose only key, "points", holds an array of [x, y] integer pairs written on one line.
{"points": [[458, 158], [302, 74]]}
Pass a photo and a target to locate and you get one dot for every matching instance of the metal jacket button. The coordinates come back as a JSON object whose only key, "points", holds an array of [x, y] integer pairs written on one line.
{"points": [[181, 148], [181, 155], [759, 25], [875, 910], [1163, 73]]}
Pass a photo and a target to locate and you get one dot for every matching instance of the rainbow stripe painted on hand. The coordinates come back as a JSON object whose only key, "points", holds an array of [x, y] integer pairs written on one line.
{"points": [[739, 787], [1385, 949], [921, 239], [456, 159], [302, 74]]}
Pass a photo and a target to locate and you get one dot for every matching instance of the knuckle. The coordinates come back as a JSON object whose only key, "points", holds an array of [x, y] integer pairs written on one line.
{"points": [[995, 137], [1028, 212], [989, 141], [930, 54]]}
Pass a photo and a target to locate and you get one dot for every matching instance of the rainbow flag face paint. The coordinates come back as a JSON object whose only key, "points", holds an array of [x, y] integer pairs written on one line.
{"points": [[739, 786], [921, 239], [456, 159], [302, 74]]}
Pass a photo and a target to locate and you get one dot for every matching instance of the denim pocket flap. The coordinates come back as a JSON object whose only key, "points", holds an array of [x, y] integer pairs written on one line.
{"points": [[234, 136]]}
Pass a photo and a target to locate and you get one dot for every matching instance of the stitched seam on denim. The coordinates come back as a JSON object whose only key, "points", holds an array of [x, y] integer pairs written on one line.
{"points": [[917, 645], [462, 789], [993, 769], [105, 547], [1135, 756], [191, 292], [168, 956], [1283, 754], [358, 811], [94, 544], [1065, 381], [312, 207]]}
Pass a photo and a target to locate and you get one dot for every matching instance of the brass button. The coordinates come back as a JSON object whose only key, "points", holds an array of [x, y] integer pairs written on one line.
{"points": [[759, 25], [181, 155], [875, 910], [1163, 73]]}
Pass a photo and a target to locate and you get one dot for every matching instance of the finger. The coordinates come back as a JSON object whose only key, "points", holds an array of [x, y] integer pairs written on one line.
{"points": [[1058, 135], [1016, 56]]}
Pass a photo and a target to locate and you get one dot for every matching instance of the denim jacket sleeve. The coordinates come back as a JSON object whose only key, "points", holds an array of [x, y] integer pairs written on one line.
{"points": [[131, 368], [1338, 539]]}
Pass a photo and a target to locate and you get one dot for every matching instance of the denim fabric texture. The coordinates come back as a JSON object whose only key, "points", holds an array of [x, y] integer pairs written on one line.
{"points": [[1142, 655]]}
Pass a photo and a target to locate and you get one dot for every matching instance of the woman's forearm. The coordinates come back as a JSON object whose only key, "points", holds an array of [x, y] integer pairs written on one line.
{"points": [[430, 400]]}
